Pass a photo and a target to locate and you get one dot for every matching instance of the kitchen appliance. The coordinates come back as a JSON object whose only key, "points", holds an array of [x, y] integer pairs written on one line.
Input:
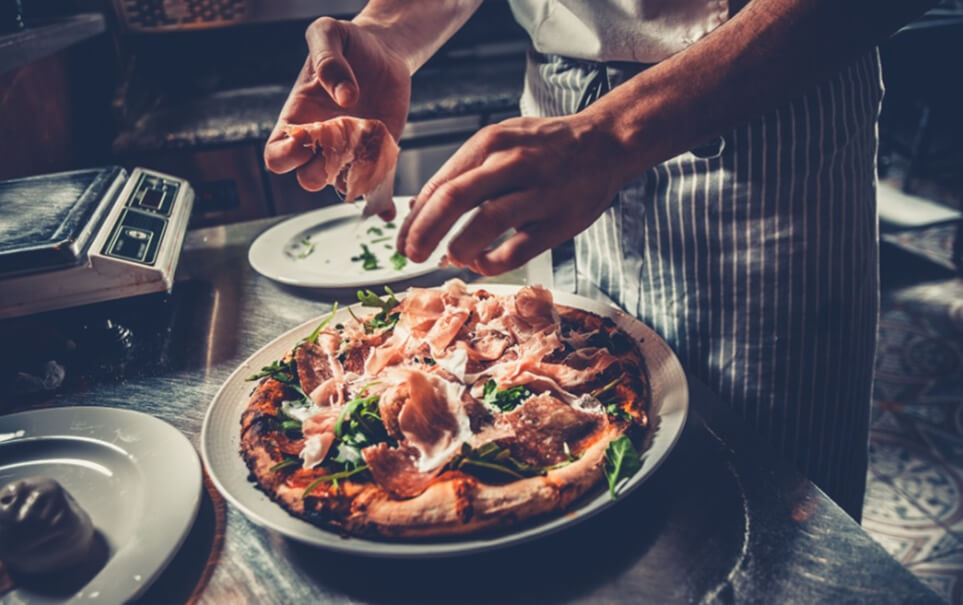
{"points": [[85, 236], [152, 16]]}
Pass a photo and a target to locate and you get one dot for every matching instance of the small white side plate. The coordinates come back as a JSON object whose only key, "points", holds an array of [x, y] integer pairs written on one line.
{"points": [[315, 249], [137, 477]]}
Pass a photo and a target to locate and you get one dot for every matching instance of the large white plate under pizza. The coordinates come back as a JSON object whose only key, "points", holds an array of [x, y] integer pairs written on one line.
{"points": [[334, 247], [220, 446]]}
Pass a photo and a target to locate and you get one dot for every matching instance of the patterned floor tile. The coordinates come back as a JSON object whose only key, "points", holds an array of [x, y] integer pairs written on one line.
{"points": [[945, 579], [903, 529], [922, 477]]}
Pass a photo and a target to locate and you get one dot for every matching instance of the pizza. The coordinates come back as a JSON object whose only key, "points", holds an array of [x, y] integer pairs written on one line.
{"points": [[358, 156], [447, 412]]}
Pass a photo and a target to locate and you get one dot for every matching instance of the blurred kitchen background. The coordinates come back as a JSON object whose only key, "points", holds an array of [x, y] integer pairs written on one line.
{"points": [[193, 87]]}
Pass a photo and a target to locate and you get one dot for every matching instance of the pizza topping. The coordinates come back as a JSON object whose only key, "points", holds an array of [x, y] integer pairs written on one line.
{"points": [[420, 308], [318, 431], [431, 417], [622, 461], [498, 387], [534, 312], [314, 366], [543, 425], [315, 449], [357, 426], [328, 393], [299, 410], [489, 347], [494, 462], [396, 470], [504, 400], [357, 156], [446, 328], [455, 362]]}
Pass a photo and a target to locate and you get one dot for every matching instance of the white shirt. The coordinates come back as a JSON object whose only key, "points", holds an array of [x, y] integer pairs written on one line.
{"points": [[642, 31]]}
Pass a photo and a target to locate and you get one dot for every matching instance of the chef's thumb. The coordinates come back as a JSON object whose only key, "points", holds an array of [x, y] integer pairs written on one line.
{"points": [[327, 39]]}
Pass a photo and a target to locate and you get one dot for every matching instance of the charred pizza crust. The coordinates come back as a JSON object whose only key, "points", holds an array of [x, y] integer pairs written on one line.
{"points": [[455, 502]]}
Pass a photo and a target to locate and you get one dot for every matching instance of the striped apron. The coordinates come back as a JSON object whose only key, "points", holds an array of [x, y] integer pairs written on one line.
{"points": [[755, 258]]}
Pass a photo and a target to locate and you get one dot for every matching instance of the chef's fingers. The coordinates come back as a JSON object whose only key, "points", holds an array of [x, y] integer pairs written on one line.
{"points": [[283, 154], [478, 149], [313, 176], [389, 214], [518, 249], [475, 151], [327, 39], [492, 220], [435, 213]]}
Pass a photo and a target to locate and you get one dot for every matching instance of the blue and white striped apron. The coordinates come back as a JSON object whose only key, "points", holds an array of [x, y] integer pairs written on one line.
{"points": [[755, 257]]}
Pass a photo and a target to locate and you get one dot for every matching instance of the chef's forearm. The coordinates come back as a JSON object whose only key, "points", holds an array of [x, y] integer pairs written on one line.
{"points": [[415, 30], [770, 52]]}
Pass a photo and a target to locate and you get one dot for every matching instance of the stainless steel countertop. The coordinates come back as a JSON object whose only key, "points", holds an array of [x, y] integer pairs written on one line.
{"points": [[723, 520]]}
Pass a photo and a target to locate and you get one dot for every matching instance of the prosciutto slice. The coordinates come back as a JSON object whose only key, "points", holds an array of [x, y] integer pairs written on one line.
{"points": [[396, 470], [426, 411], [359, 157], [315, 366], [318, 437], [534, 312], [543, 425]]}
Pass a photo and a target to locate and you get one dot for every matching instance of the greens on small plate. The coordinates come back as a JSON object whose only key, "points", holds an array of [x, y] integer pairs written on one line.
{"points": [[335, 247]]}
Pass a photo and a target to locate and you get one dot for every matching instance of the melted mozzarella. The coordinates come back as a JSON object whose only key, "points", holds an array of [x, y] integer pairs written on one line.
{"points": [[455, 362], [588, 403], [293, 409]]}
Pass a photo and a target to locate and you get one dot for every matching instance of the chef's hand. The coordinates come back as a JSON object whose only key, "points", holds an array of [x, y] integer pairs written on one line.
{"points": [[548, 178], [349, 71]]}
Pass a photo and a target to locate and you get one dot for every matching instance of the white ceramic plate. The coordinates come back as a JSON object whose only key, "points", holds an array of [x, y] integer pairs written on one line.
{"points": [[315, 249], [137, 477], [220, 446]]}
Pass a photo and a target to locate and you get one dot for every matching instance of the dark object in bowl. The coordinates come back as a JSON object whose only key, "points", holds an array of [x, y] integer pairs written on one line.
{"points": [[42, 528]]}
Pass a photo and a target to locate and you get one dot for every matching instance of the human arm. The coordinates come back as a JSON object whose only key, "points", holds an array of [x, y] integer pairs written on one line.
{"points": [[549, 178], [360, 68]]}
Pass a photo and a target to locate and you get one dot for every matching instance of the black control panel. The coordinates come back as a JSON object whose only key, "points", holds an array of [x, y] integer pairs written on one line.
{"points": [[137, 235], [154, 194]]}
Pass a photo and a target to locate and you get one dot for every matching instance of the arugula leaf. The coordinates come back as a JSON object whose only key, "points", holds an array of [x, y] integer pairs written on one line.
{"points": [[308, 248], [375, 231], [284, 464], [357, 426], [332, 477], [506, 400], [282, 371], [291, 425], [369, 262], [313, 337], [398, 260], [384, 318], [622, 461], [366, 404], [606, 389], [616, 411], [492, 458], [389, 225], [367, 298]]}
